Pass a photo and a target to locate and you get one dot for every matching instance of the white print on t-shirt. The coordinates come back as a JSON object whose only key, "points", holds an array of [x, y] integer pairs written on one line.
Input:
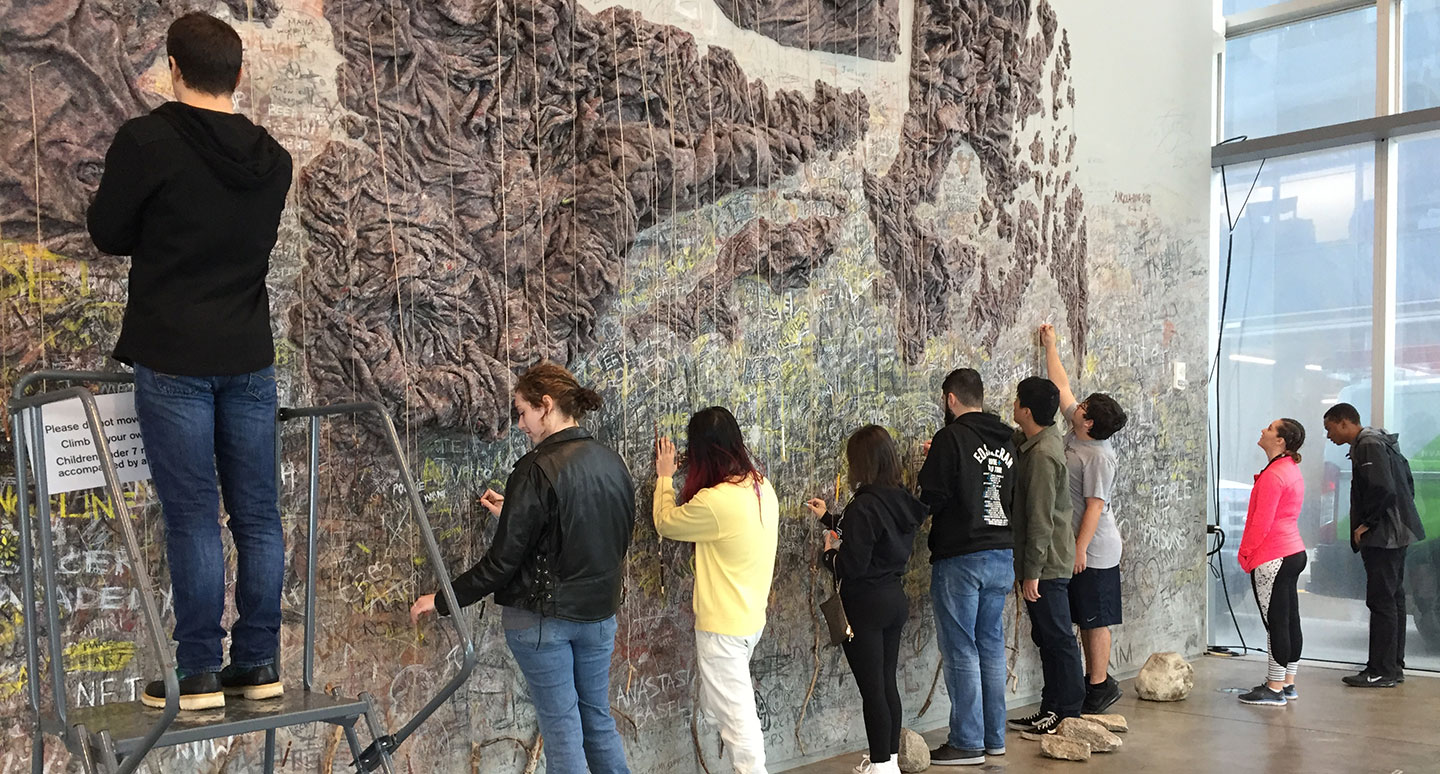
{"points": [[996, 462]]}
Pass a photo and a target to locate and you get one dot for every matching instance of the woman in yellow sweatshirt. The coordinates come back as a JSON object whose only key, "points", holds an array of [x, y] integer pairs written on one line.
{"points": [[729, 511]]}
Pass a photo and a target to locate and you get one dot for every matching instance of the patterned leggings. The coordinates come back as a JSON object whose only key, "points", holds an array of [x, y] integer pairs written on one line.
{"points": [[1275, 584]]}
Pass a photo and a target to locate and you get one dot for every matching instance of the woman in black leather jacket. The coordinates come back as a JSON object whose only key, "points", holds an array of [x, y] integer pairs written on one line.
{"points": [[867, 547], [555, 567]]}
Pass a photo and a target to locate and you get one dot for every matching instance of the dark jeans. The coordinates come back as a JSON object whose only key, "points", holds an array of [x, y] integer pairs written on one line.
{"points": [[877, 616], [1385, 596], [1060, 662], [206, 437]]}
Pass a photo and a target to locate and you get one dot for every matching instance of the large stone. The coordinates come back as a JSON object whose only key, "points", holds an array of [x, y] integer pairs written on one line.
{"points": [[914, 753], [1064, 748], [1165, 677], [1090, 732], [1113, 723]]}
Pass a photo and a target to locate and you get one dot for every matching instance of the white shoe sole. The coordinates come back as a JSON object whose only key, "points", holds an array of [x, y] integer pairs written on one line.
{"points": [[193, 701], [257, 692]]}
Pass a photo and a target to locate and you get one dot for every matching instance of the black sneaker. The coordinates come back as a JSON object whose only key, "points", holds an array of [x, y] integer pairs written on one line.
{"points": [[995, 750], [1264, 695], [1027, 722], [1049, 724], [1098, 698], [1400, 678], [1369, 680], [197, 692], [1291, 693], [945, 755], [262, 682]]}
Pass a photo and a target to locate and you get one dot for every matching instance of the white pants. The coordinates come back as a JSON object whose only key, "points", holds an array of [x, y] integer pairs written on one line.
{"points": [[728, 696]]}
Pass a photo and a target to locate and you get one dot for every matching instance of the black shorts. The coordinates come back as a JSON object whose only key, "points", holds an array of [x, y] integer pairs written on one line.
{"points": [[1095, 598]]}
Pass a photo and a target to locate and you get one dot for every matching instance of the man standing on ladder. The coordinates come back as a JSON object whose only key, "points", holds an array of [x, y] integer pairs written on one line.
{"points": [[193, 193]]}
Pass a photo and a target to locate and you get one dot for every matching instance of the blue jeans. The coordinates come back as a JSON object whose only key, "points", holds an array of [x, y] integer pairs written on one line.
{"points": [[206, 436], [567, 666], [969, 595]]}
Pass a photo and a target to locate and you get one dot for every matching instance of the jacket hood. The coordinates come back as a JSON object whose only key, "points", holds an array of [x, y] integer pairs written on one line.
{"points": [[987, 426], [244, 156], [1378, 435], [904, 510]]}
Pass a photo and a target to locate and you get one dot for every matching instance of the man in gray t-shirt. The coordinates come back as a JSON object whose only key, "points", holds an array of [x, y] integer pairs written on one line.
{"points": [[1095, 587]]}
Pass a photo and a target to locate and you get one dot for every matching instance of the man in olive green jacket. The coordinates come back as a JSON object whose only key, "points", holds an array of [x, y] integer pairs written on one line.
{"points": [[1045, 553]]}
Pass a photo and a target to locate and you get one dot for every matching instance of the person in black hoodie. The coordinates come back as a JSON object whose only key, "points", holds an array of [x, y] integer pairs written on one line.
{"points": [[968, 484], [1383, 523], [867, 547], [193, 193]]}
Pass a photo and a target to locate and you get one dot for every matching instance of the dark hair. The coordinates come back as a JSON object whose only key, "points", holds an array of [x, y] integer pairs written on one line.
{"points": [[1105, 415], [207, 51], [872, 457], [1293, 434], [715, 452], [1041, 396], [553, 380], [1342, 412], [966, 385]]}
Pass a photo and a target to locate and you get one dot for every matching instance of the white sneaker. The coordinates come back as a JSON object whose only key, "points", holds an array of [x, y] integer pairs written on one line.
{"points": [[889, 766], [865, 766]]}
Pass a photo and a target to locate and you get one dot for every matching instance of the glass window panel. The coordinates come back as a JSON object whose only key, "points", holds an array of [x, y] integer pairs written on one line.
{"points": [[1297, 339], [1302, 75], [1420, 54], [1415, 414]]}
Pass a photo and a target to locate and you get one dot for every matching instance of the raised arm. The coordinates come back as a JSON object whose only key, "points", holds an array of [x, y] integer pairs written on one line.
{"points": [[1054, 368]]}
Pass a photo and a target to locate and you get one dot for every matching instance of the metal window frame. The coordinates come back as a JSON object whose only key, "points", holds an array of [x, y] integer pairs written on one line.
{"points": [[1388, 123]]}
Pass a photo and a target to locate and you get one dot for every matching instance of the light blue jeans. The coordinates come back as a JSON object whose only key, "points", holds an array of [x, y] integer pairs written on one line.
{"points": [[567, 666], [969, 596]]}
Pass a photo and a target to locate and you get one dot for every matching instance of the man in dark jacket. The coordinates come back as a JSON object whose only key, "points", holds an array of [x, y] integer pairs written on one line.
{"points": [[1045, 553], [193, 193], [968, 484], [1383, 523]]}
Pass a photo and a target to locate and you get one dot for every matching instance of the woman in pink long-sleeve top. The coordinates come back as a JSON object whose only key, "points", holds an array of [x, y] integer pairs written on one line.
{"points": [[1273, 553]]}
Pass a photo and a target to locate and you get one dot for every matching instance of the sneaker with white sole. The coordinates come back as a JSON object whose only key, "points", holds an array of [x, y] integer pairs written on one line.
{"points": [[1291, 694], [945, 755], [1049, 724], [1025, 723], [994, 750], [1264, 695]]}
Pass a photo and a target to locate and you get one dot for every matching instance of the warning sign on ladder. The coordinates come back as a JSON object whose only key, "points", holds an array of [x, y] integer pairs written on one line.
{"points": [[71, 461]]}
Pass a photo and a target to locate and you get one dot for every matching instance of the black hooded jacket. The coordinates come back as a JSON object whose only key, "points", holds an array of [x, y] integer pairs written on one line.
{"points": [[1382, 494], [877, 531], [968, 481], [194, 196]]}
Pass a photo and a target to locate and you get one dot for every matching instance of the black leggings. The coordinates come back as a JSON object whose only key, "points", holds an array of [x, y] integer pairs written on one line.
{"points": [[1275, 584], [877, 616]]}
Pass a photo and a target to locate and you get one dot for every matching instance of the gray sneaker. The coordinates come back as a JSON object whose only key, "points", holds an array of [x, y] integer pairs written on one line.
{"points": [[1290, 693], [945, 755], [1263, 695]]}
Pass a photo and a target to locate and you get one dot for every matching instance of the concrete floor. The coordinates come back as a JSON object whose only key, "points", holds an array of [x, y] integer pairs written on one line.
{"points": [[1331, 728]]}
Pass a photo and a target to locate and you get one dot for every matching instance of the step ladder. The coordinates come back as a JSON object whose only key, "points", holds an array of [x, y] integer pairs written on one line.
{"points": [[114, 738]]}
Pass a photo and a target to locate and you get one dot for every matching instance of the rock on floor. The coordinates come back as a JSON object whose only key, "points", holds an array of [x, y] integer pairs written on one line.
{"points": [[1064, 748], [1090, 732], [1165, 677], [914, 753]]}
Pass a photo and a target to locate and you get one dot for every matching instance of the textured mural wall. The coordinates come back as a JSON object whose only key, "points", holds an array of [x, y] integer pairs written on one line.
{"points": [[807, 211]]}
